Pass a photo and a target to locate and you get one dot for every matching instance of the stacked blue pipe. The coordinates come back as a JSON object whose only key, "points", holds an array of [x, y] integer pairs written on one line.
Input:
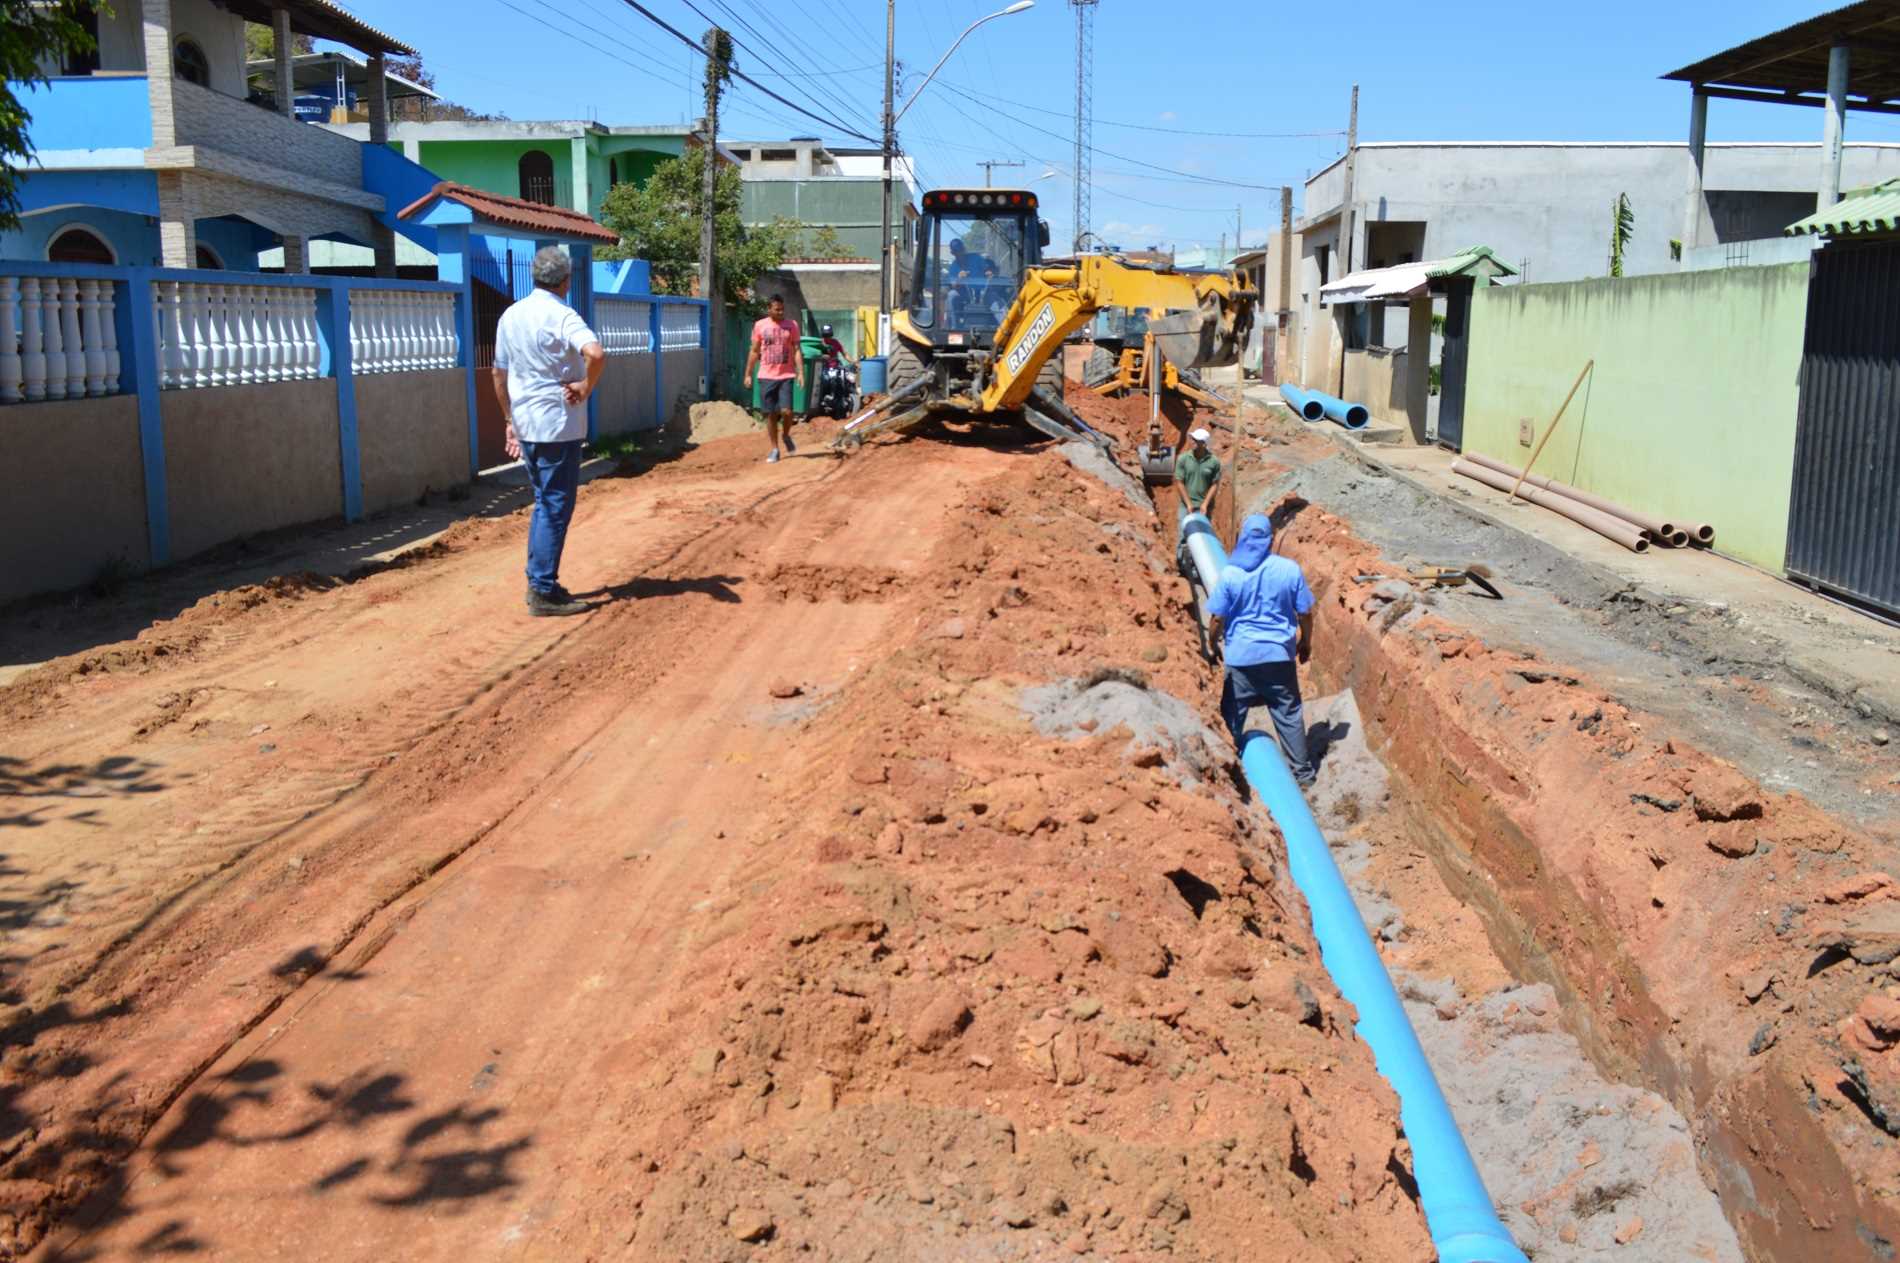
{"points": [[1458, 1211], [1313, 405], [1303, 402]]}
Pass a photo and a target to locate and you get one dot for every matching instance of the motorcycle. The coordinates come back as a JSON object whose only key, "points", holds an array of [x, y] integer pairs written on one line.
{"points": [[837, 389]]}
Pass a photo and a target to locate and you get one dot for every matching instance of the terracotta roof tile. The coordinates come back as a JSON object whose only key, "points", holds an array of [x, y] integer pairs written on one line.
{"points": [[513, 212]]}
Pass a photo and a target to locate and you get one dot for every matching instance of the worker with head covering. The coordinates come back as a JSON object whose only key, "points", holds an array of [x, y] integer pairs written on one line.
{"points": [[1266, 615]]}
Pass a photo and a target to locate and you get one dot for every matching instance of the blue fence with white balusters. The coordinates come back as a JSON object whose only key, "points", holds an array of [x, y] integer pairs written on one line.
{"points": [[73, 332]]}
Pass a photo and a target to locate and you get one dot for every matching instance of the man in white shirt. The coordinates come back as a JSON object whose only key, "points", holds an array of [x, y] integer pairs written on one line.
{"points": [[546, 364]]}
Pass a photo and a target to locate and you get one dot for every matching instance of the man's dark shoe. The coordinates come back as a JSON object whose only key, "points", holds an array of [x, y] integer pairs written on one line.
{"points": [[554, 604]]}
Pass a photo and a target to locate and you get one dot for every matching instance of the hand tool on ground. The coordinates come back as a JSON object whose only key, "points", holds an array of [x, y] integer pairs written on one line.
{"points": [[1476, 574]]}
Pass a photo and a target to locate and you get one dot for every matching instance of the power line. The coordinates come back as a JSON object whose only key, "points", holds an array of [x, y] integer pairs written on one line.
{"points": [[821, 95], [1170, 131], [650, 16], [1180, 175]]}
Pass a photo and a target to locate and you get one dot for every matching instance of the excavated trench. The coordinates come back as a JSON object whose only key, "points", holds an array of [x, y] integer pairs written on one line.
{"points": [[1634, 969]]}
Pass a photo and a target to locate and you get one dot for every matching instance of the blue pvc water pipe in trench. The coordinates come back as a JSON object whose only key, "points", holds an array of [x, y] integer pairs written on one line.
{"points": [[1463, 1224]]}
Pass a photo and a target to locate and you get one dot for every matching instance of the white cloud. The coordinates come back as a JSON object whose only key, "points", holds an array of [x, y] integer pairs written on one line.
{"points": [[1121, 228], [1167, 116]]}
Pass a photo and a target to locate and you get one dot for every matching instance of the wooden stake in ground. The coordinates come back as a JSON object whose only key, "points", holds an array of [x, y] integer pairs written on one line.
{"points": [[1552, 427]]}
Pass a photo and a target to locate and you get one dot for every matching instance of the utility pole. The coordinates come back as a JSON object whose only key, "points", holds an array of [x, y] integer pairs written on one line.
{"points": [[1347, 228], [718, 71], [1283, 310], [1347, 231], [885, 289], [988, 163], [1084, 113]]}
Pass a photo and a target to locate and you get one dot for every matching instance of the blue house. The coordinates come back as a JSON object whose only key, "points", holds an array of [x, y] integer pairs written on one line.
{"points": [[156, 150]]}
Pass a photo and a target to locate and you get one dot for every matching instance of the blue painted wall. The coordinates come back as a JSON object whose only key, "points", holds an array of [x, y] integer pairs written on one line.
{"points": [[135, 192], [399, 182], [134, 237], [91, 112], [623, 276]]}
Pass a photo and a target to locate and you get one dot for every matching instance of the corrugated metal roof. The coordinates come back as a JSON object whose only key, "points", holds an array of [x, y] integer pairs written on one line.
{"points": [[1794, 59], [513, 212], [1408, 279], [1875, 208], [324, 19]]}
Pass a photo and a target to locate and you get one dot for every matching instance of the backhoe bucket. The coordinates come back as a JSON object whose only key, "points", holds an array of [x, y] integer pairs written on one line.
{"points": [[1211, 336]]}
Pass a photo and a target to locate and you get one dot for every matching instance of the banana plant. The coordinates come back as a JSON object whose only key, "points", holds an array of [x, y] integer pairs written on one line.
{"points": [[1622, 228]]}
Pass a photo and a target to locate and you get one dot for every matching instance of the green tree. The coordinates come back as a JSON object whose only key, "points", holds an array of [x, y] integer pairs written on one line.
{"points": [[1622, 228], [823, 242], [33, 35], [260, 42], [659, 222]]}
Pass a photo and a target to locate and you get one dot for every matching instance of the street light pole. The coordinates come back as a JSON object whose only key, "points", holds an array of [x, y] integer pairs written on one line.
{"points": [[887, 295]]}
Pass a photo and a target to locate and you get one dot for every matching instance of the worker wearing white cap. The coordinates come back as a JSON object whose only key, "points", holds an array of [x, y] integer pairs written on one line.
{"points": [[1197, 470]]}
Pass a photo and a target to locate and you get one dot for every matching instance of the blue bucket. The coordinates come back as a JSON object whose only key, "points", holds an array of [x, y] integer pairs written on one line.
{"points": [[871, 376]]}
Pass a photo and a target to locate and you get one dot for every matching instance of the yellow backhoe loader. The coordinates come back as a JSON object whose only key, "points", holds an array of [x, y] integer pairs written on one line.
{"points": [[986, 318]]}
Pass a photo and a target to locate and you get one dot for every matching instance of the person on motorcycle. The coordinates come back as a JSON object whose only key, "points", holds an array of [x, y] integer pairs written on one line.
{"points": [[832, 378]]}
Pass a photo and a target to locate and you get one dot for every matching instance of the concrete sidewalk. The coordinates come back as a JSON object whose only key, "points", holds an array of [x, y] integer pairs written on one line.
{"points": [[1829, 646]]}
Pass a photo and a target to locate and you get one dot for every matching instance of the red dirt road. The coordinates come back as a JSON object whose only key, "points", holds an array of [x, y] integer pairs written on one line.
{"points": [[381, 921]]}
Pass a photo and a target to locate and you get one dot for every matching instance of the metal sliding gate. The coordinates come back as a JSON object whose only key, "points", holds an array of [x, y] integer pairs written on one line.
{"points": [[495, 282], [1844, 513]]}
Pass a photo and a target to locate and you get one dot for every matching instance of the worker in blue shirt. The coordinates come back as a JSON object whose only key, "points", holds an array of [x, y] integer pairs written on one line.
{"points": [[1266, 615]]}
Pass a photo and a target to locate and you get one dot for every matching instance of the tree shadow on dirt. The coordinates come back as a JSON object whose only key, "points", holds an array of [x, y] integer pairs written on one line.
{"points": [[116, 776], [443, 1158]]}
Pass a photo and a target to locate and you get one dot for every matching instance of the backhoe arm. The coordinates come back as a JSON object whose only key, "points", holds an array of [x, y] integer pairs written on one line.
{"points": [[1056, 301]]}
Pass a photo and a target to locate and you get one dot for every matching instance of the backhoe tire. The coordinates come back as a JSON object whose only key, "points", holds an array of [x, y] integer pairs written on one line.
{"points": [[1102, 365], [905, 366], [1049, 376]]}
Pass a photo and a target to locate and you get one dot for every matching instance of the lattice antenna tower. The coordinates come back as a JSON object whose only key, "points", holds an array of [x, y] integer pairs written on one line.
{"points": [[1084, 113]]}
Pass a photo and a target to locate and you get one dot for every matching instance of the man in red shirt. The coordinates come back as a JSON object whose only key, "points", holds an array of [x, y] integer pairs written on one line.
{"points": [[776, 357]]}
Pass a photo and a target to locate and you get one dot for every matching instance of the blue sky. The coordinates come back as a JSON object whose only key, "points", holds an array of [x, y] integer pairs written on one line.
{"points": [[1253, 94]]}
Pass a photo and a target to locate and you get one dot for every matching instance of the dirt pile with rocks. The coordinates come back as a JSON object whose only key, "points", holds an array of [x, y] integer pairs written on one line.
{"points": [[1017, 975]]}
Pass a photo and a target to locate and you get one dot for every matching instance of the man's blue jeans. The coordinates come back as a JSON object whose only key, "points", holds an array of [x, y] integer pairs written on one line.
{"points": [[554, 471], [1275, 685]]}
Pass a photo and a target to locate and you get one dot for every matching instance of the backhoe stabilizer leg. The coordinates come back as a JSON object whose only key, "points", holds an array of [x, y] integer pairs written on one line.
{"points": [[1055, 418]]}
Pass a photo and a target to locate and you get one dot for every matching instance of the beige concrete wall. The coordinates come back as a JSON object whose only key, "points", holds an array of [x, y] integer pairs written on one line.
{"points": [[73, 483], [626, 395], [1376, 377], [242, 459], [412, 434]]}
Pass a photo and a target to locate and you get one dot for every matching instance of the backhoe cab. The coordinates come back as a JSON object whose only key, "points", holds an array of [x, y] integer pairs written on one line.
{"points": [[973, 246], [981, 331]]}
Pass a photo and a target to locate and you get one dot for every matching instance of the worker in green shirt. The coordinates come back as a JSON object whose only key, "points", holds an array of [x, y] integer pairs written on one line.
{"points": [[1197, 470]]}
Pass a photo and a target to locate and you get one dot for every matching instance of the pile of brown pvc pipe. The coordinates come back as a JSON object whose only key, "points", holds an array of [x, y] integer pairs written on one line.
{"points": [[1628, 527]]}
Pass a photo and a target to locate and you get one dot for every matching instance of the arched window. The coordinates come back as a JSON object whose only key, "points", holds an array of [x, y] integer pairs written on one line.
{"points": [[189, 62], [78, 245], [208, 259], [536, 170]]}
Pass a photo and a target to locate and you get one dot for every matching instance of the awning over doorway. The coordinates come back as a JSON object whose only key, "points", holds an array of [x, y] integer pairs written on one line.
{"points": [[1408, 280]]}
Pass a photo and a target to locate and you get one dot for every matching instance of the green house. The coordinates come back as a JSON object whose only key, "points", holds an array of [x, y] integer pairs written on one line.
{"points": [[570, 164]]}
